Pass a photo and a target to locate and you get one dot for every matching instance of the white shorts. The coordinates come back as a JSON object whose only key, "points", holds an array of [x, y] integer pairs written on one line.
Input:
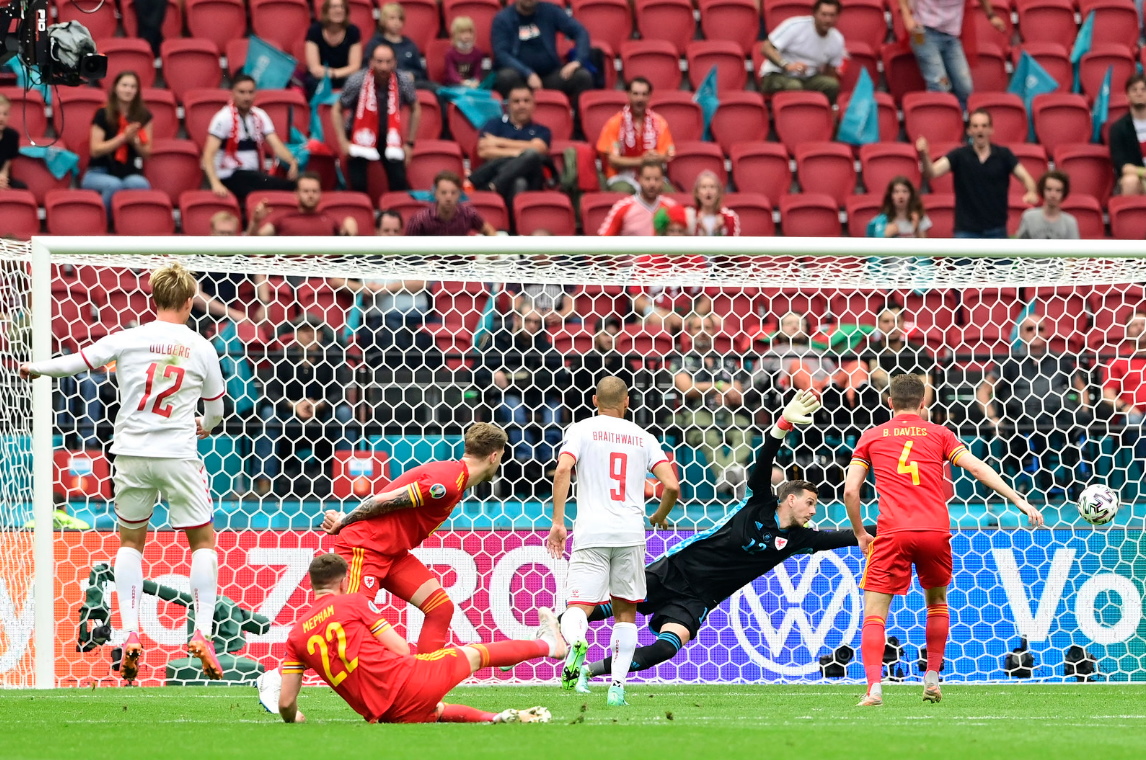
{"points": [[599, 573], [140, 482]]}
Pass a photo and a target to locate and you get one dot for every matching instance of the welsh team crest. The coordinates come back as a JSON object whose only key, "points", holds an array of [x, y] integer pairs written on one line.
{"points": [[369, 581], [781, 543], [437, 491]]}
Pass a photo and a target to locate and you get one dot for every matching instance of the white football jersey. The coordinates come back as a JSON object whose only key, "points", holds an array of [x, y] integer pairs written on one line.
{"points": [[613, 458], [163, 369]]}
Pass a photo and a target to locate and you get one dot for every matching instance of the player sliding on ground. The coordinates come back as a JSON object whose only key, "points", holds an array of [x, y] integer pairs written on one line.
{"points": [[376, 538], [344, 639], [908, 456], [612, 456], [162, 368]]}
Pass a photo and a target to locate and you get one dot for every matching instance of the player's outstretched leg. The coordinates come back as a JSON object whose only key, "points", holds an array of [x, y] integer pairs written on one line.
{"points": [[467, 714]]}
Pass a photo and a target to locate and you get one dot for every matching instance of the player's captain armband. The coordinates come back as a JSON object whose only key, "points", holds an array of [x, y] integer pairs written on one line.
{"points": [[863, 463], [955, 453], [293, 667]]}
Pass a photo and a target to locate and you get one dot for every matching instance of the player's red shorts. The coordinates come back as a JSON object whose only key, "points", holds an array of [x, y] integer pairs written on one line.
{"points": [[890, 557], [434, 676], [400, 574]]}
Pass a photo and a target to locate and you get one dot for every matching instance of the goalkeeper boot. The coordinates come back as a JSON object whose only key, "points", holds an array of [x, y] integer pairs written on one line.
{"points": [[931, 691], [132, 651], [549, 631], [200, 647], [573, 662], [582, 686], [616, 697], [532, 715]]}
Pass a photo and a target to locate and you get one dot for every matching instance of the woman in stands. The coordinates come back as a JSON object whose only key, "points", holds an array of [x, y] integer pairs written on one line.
{"points": [[333, 47], [902, 214], [120, 141], [712, 218]]}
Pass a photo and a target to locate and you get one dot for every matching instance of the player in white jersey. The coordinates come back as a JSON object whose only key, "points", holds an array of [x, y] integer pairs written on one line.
{"points": [[612, 457], [163, 369]]}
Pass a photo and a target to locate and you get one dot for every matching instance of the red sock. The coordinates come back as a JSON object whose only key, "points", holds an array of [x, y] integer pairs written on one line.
{"points": [[938, 624], [871, 648], [464, 714], [511, 652], [439, 612]]}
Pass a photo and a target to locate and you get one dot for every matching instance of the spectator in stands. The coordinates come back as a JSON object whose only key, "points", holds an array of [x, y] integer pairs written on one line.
{"points": [[553, 302], [524, 38], [370, 112], [464, 58], [672, 221], [1124, 385], [601, 360], [711, 217], [1049, 221], [391, 24], [982, 173], [333, 47], [902, 214], [394, 317], [1038, 402], [712, 417], [149, 17], [236, 140], [633, 136], [791, 361], [120, 141], [1127, 134], [308, 220], [390, 223], [448, 216], [220, 293], [513, 149], [9, 148], [805, 52], [634, 215], [890, 352], [853, 404], [935, 27]]}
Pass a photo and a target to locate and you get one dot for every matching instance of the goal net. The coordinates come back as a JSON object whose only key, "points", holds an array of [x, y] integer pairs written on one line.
{"points": [[348, 362]]}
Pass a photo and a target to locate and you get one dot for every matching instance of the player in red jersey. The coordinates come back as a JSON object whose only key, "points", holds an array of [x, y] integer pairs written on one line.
{"points": [[376, 538], [344, 639], [908, 456]]}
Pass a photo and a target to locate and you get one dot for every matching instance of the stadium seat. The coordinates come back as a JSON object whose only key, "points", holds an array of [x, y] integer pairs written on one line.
{"points": [[1089, 167], [435, 54], [859, 56], [339, 205], [142, 212], [692, 158], [482, 13], [865, 23], [1065, 311], [20, 214], [402, 202], [431, 157], [597, 107], [35, 174], [1033, 158], [881, 162], [196, 207], [755, 214], [637, 340], [128, 54], [99, 18], [164, 113], [460, 304], [199, 107], [683, 114], [175, 166], [725, 55], [554, 112], [888, 114], [236, 55], [941, 211], [1047, 21], [278, 201], [1115, 23], [189, 64], [1128, 217], [1008, 115], [777, 12], [172, 22], [934, 115], [1092, 69], [989, 71], [608, 21], [27, 114], [1119, 106], [220, 21], [1052, 56], [826, 168], [283, 23], [544, 211], [761, 167], [988, 316], [492, 208], [802, 116], [1114, 304], [1088, 211], [733, 20], [75, 212], [861, 210], [809, 215], [655, 60], [741, 117], [286, 108], [987, 33], [594, 208], [465, 133], [900, 70], [422, 22], [72, 112], [430, 126], [669, 20], [1060, 118]]}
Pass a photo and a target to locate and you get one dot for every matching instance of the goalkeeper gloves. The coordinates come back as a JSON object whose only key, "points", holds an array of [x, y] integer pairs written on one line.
{"points": [[799, 411]]}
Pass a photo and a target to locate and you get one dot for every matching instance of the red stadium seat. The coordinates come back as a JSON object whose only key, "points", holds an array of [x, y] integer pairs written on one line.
{"points": [[741, 117], [1088, 211], [1092, 69], [1060, 118], [72, 112], [1052, 56], [1033, 158], [196, 207], [636, 340], [402, 202], [755, 214], [142, 212], [608, 21], [1089, 167], [99, 18], [482, 13], [881, 162], [283, 23], [888, 114], [1128, 217], [20, 214], [858, 56], [435, 54], [594, 208], [543, 211], [989, 71], [1047, 21], [656, 60], [988, 34], [1065, 313], [220, 21], [1119, 106], [725, 55], [430, 127], [199, 107], [669, 20], [1008, 115], [339, 205], [802, 116], [128, 54], [164, 113], [75, 212], [761, 167], [900, 70], [733, 20], [861, 210], [35, 174], [175, 166], [941, 211], [864, 23], [172, 22], [597, 107], [492, 208], [431, 157], [777, 12], [278, 201], [27, 113], [422, 22], [934, 115], [465, 133], [1115, 23], [988, 316], [189, 64], [809, 215], [683, 114], [554, 112], [236, 53], [826, 168], [285, 108], [691, 159]]}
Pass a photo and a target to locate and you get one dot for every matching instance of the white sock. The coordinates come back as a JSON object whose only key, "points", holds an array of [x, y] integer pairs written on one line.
{"points": [[624, 644], [128, 587], [574, 625], [204, 582]]}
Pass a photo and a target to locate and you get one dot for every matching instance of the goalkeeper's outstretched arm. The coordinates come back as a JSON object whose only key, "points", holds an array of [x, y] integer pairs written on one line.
{"points": [[799, 411]]}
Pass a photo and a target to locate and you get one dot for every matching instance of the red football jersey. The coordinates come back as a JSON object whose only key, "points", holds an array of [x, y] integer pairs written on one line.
{"points": [[908, 456], [334, 637], [435, 489]]}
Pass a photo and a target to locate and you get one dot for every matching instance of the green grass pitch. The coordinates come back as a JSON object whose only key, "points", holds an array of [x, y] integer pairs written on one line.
{"points": [[1011, 722]]}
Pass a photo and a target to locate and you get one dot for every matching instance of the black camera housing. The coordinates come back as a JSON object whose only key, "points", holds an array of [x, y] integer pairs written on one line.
{"points": [[24, 31]]}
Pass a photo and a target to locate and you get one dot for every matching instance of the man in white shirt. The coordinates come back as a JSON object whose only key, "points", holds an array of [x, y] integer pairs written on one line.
{"points": [[163, 368], [805, 52], [612, 456]]}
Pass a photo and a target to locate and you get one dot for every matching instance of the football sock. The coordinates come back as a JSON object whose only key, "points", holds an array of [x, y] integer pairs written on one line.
{"points": [[439, 611], [510, 652], [662, 650], [464, 714], [938, 624], [601, 612], [574, 625], [624, 646], [871, 647], [204, 585], [128, 587]]}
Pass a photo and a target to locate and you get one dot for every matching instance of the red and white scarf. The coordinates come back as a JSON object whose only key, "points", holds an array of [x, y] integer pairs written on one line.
{"points": [[141, 135], [364, 132], [231, 152], [629, 145]]}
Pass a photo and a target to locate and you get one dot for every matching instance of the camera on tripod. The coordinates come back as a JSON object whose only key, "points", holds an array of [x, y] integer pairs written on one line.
{"points": [[64, 53]]}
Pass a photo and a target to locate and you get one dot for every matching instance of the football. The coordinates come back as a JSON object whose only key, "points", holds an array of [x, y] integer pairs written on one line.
{"points": [[1098, 504]]}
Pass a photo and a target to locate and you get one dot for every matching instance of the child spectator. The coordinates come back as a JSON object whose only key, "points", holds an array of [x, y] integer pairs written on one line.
{"points": [[463, 59], [901, 214], [391, 22], [711, 217]]}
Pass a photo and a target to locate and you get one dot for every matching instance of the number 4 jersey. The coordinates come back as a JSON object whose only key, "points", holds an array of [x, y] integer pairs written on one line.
{"points": [[613, 457], [162, 369]]}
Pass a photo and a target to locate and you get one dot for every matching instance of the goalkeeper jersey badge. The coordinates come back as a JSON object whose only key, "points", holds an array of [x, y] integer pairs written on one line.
{"points": [[437, 491], [781, 543], [369, 581]]}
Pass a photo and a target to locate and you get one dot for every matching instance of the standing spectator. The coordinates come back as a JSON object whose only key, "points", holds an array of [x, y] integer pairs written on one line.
{"points": [[308, 220], [712, 218], [120, 141], [633, 136], [1124, 385], [982, 173], [513, 149], [447, 216], [935, 27], [902, 214], [391, 23], [221, 293], [370, 114], [333, 47], [634, 215], [149, 17], [463, 59], [1049, 221], [1127, 135], [236, 141], [524, 37], [9, 148], [805, 52], [390, 223]]}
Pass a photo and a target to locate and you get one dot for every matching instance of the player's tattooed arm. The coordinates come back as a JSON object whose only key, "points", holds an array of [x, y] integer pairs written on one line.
{"points": [[375, 506]]}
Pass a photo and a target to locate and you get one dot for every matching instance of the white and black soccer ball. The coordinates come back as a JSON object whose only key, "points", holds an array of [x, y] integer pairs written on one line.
{"points": [[1098, 504]]}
